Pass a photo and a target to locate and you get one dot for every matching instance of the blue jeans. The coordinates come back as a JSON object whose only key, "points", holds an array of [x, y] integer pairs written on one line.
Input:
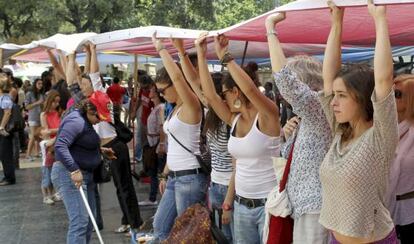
{"points": [[217, 194], [180, 193], [248, 224], [80, 226]]}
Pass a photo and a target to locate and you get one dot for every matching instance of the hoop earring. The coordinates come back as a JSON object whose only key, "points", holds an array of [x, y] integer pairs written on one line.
{"points": [[237, 103]]}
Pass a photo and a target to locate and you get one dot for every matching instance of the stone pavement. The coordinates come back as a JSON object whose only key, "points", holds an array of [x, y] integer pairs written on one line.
{"points": [[25, 219]]}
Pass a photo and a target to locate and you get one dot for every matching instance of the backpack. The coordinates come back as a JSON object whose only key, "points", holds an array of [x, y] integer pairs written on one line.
{"points": [[16, 121]]}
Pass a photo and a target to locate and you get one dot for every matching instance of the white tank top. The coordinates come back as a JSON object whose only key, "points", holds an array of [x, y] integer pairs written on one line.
{"points": [[255, 176], [189, 135]]}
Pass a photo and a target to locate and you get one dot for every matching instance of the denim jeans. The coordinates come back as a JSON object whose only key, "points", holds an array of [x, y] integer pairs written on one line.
{"points": [[80, 226], [248, 224], [217, 194], [180, 193]]}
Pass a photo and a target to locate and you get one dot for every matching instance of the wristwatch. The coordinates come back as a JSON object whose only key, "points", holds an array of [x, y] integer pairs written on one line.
{"points": [[226, 59], [226, 207]]}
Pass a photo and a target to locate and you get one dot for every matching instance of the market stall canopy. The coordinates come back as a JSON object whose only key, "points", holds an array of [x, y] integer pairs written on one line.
{"points": [[308, 21]]}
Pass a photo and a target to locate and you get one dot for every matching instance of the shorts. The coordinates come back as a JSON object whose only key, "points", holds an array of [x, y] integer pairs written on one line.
{"points": [[46, 177], [34, 123]]}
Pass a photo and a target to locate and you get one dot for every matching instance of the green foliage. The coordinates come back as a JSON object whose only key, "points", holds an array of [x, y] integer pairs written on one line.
{"points": [[24, 20]]}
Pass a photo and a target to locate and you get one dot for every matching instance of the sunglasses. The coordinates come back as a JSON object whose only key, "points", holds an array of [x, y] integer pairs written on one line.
{"points": [[398, 94], [223, 93], [162, 90]]}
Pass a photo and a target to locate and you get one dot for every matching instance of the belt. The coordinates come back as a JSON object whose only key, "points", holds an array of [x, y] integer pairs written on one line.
{"points": [[250, 203], [174, 174], [405, 196]]}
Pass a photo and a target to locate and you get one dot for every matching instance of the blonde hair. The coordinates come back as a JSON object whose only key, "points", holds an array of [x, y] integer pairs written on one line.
{"points": [[308, 70], [5, 85]]}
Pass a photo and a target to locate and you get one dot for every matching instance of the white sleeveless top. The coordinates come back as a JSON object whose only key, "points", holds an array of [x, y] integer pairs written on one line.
{"points": [[189, 135], [255, 176]]}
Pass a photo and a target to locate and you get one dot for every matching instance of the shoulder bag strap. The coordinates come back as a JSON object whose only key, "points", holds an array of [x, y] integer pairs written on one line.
{"points": [[283, 182], [188, 150]]}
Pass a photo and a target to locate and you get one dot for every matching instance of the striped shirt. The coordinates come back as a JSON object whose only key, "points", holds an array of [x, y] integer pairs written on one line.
{"points": [[220, 157]]}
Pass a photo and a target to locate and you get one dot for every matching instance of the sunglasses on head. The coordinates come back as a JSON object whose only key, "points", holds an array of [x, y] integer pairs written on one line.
{"points": [[162, 90], [398, 94]]}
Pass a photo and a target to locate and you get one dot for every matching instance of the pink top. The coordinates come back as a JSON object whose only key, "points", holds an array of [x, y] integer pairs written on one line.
{"points": [[53, 121], [401, 176], [71, 101]]}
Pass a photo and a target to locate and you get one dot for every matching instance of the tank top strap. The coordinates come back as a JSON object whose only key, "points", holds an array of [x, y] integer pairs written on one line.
{"points": [[233, 124]]}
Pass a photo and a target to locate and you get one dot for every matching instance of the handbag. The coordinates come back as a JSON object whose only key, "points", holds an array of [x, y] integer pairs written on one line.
{"points": [[16, 120], [191, 227], [103, 173], [278, 208], [149, 157], [205, 162]]}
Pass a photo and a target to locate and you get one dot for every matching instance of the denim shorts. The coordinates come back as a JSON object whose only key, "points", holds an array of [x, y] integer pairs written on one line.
{"points": [[46, 177]]}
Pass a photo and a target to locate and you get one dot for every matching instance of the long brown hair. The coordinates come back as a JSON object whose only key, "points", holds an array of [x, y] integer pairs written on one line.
{"points": [[360, 82], [50, 98], [408, 96], [212, 121]]}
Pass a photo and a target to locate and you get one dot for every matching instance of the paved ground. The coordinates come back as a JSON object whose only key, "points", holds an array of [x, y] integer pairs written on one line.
{"points": [[25, 219]]}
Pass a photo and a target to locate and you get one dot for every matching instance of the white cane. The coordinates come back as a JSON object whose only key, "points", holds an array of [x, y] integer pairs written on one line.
{"points": [[91, 215]]}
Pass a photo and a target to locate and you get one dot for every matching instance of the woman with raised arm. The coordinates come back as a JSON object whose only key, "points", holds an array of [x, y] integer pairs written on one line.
{"points": [[299, 79], [254, 139], [217, 133], [183, 183], [354, 173], [401, 187]]}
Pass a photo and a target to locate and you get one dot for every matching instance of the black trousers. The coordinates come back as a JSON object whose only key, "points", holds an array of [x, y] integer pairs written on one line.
{"points": [[405, 233], [6, 157], [121, 174]]}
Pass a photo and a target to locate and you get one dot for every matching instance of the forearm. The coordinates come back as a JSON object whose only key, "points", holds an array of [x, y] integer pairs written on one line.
{"points": [[332, 59], [231, 189], [63, 63], [383, 63], [71, 70], [87, 63], [94, 61], [277, 57], [6, 117]]}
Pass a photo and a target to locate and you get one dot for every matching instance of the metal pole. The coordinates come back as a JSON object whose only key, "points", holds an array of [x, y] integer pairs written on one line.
{"points": [[1, 57], [244, 52], [88, 208]]}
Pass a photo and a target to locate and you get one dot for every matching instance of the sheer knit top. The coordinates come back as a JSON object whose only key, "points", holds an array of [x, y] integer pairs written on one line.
{"points": [[354, 177]]}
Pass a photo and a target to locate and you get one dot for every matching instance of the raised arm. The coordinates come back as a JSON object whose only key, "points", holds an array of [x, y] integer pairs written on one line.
{"points": [[277, 57], [71, 73], [59, 70], [213, 99], [264, 105], [184, 91], [88, 59], [332, 59], [189, 71], [62, 60], [383, 64], [94, 59]]}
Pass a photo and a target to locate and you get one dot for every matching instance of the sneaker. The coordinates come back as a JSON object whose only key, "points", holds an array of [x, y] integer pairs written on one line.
{"points": [[147, 203], [122, 229], [48, 201], [56, 197]]}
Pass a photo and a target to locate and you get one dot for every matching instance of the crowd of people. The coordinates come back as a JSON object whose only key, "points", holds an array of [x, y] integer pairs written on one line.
{"points": [[347, 129]]}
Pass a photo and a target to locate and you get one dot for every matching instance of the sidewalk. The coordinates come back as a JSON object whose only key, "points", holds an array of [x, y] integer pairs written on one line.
{"points": [[25, 219]]}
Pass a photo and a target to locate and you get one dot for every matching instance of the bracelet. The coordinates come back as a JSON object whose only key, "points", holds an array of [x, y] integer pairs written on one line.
{"points": [[162, 176], [272, 33], [181, 56], [162, 48], [161, 143], [226, 59], [226, 207], [75, 172]]}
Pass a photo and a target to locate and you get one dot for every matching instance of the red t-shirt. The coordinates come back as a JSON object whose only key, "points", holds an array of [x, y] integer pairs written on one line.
{"points": [[115, 93], [53, 121], [146, 103]]}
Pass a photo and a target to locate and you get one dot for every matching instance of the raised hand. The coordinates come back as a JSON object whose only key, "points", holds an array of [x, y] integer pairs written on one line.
{"points": [[178, 44], [221, 45], [273, 19], [336, 12], [376, 11], [157, 42], [201, 44]]}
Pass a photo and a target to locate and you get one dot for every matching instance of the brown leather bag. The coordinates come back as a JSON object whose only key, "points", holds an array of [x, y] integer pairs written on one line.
{"points": [[192, 227]]}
